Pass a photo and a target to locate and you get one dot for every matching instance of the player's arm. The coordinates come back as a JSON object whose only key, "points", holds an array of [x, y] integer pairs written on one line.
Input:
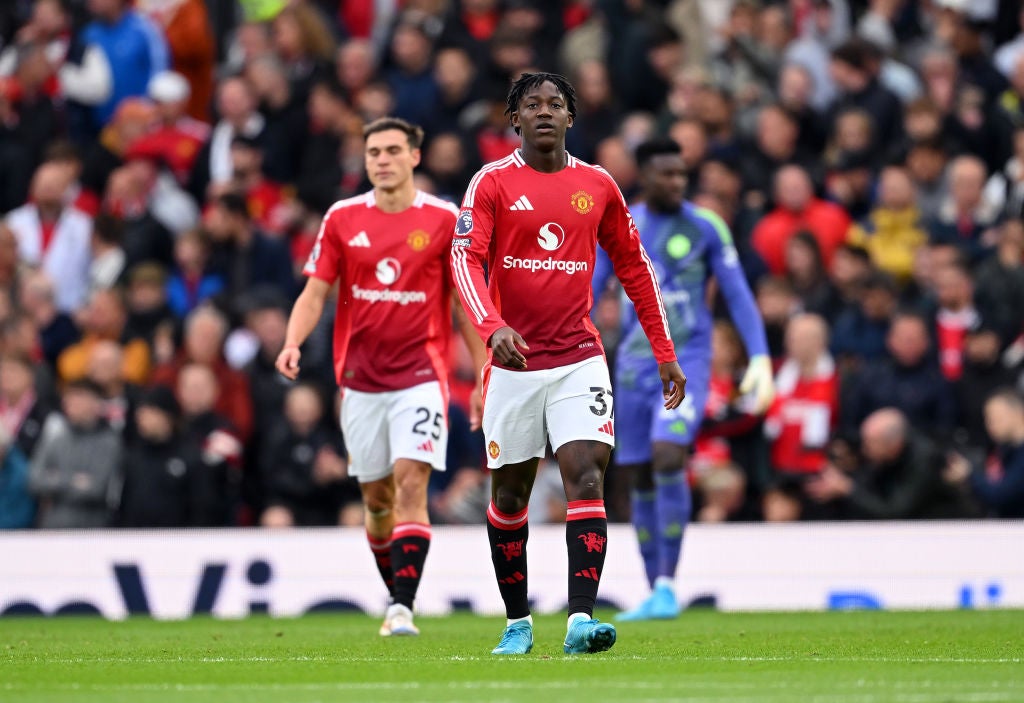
{"points": [[618, 236], [322, 269], [305, 314], [742, 308], [478, 352], [473, 231]]}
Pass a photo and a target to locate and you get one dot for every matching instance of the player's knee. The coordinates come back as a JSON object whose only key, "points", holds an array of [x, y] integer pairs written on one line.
{"points": [[378, 503], [586, 483], [511, 499]]}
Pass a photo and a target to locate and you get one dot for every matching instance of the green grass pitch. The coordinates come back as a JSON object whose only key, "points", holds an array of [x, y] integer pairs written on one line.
{"points": [[850, 657]]}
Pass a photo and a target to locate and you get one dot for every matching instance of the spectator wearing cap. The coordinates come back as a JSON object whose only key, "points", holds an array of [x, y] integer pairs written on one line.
{"points": [[860, 330], [908, 379], [75, 471], [165, 485], [104, 318], [983, 373], [192, 281], [134, 48], [797, 208], [186, 25], [177, 137], [54, 235], [851, 183], [894, 229], [242, 252]]}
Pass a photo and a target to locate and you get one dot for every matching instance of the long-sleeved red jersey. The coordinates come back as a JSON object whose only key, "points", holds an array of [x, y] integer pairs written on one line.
{"points": [[537, 234]]}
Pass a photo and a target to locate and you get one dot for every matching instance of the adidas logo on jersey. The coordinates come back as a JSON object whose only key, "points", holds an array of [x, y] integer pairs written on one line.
{"points": [[608, 428], [360, 240], [522, 204], [427, 446]]}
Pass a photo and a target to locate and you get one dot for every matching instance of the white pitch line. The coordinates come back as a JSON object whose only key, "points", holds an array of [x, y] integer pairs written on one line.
{"points": [[396, 659], [936, 697]]}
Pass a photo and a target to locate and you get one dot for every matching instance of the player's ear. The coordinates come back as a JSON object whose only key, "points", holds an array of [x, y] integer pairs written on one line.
{"points": [[569, 124], [513, 118], [416, 155]]}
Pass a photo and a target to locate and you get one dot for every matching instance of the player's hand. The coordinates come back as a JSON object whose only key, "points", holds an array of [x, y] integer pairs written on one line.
{"points": [[476, 407], [758, 381], [505, 344], [673, 384], [287, 363]]}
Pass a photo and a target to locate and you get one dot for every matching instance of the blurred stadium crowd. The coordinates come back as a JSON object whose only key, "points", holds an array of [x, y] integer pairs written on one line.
{"points": [[165, 165]]}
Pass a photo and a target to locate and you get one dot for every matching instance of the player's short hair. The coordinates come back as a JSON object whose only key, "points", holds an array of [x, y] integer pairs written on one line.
{"points": [[530, 81], [413, 133], [656, 147]]}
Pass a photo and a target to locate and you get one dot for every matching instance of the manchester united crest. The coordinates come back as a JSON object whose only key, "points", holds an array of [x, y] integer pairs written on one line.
{"points": [[418, 240], [493, 449], [582, 202]]}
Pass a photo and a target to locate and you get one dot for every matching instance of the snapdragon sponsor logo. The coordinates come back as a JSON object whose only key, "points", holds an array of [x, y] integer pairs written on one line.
{"points": [[548, 264], [402, 297]]}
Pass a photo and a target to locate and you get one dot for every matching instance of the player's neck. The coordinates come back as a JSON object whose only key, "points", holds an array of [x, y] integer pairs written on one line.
{"points": [[544, 161], [395, 199]]}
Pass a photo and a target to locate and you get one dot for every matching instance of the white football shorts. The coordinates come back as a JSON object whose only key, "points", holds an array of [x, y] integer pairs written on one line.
{"points": [[381, 428], [525, 410]]}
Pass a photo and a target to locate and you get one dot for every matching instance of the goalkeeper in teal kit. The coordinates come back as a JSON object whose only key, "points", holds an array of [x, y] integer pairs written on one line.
{"points": [[688, 245]]}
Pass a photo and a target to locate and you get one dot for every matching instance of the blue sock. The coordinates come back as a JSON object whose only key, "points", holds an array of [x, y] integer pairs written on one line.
{"points": [[672, 498], [645, 522]]}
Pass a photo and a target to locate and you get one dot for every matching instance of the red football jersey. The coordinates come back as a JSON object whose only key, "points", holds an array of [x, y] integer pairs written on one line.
{"points": [[393, 318], [802, 417], [538, 233]]}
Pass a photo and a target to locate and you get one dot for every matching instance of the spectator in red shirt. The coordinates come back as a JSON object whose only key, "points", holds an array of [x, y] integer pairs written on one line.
{"points": [[806, 402], [796, 209], [954, 292]]}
